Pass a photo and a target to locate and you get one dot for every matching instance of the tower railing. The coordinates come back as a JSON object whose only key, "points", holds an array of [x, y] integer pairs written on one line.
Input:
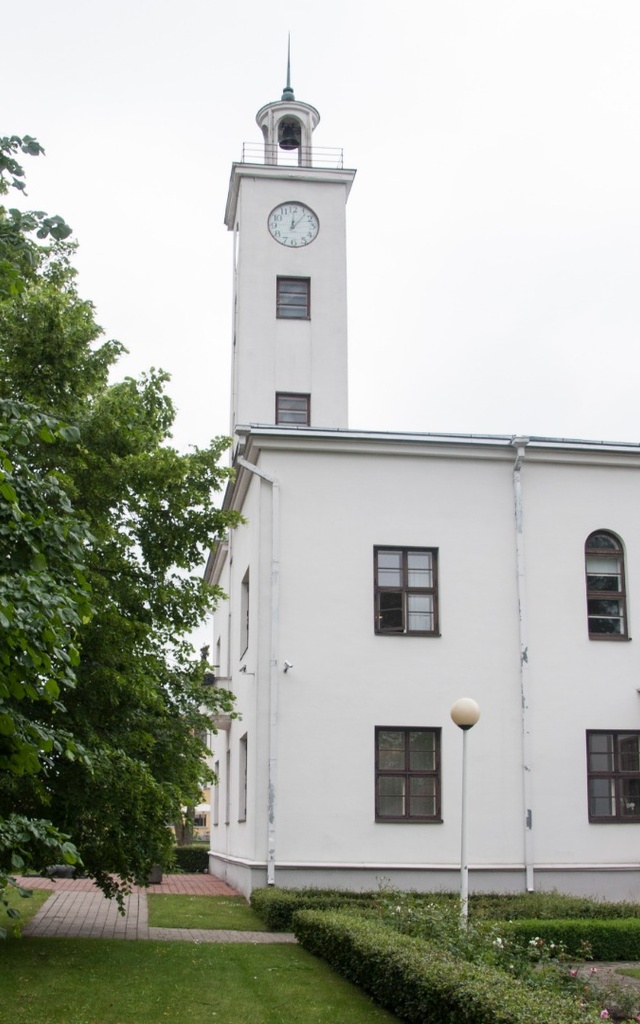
{"points": [[272, 155]]}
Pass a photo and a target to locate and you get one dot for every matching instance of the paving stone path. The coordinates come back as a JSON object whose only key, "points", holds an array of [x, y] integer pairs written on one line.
{"points": [[78, 909]]}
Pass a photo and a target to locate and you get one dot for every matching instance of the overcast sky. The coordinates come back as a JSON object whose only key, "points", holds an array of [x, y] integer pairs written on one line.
{"points": [[493, 226]]}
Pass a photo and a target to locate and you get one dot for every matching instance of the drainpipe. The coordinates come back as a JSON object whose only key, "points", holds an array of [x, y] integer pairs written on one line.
{"points": [[273, 663], [520, 443]]}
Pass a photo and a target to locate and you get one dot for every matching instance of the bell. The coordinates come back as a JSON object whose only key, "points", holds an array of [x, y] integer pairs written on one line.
{"points": [[289, 135]]}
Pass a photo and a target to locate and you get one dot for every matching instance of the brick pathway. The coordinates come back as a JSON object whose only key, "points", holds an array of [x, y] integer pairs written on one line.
{"points": [[78, 909]]}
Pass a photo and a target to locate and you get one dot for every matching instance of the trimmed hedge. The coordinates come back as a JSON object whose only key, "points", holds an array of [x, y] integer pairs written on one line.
{"points": [[546, 905], [192, 860], [276, 906], [419, 983], [618, 939]]}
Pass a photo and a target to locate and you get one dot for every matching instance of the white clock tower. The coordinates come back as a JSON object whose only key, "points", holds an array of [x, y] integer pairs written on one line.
{"points": [[286, 207]]}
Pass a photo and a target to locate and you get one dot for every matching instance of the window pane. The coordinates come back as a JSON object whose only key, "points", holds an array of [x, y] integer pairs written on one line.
{"points": [[602, 540], [629, 753], [420, 613], [601, 607], [390, 615], [630, 798], [600, 752], [422, 752], [422, 797], [606, 583], [389, 568], [602, 803], [420, 569], [607, 626], [391, 748], [391, 796]]}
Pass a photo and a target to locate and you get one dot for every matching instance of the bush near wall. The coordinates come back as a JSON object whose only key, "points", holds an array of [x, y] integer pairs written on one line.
{"points": [[419, 983], [276, 906], [545, 905], [191, 860], [608, 940]]}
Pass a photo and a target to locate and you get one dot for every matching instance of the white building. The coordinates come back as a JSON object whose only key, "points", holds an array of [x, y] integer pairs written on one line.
{"points": [[379, 577]]}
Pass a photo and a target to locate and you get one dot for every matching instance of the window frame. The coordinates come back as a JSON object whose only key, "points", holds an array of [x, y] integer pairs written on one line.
{"points": [[595, 594], [407, 773], [616, 774], [243, 756], [405, 590], [287, 310], [307, 409], [245, 611]]}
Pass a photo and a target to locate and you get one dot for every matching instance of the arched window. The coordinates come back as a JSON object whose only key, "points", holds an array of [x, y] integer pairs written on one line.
{"points": [[606, 599]]}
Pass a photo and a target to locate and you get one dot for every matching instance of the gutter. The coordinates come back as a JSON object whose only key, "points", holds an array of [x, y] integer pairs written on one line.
{"points": [[273, 663], [520, 444]]}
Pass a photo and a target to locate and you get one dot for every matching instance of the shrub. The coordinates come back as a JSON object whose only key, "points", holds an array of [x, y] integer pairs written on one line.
{"points": [[192, 860], [418, 982], [546, 905], [276, 906], [618, 939]]}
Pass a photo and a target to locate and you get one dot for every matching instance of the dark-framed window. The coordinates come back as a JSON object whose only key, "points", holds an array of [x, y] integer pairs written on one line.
{"points": [[613, 772], [406, 590], [606, 597], [293, 298], [407, 774], [293, 408]]}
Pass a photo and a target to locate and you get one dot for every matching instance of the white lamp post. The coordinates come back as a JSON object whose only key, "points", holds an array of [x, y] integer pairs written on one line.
{"points": [[465, 713]]}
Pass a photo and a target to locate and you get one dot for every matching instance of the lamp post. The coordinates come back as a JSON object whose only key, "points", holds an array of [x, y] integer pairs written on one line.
{"points": [[465, 713]]}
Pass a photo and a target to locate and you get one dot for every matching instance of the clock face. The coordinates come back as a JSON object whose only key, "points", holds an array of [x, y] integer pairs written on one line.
{"points": [[293, 225]]}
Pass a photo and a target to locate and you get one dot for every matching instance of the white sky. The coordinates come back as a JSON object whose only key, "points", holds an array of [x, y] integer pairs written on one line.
{"points": [[493, 227]]}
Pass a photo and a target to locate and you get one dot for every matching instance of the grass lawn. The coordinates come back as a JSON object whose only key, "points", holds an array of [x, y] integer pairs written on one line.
{"points": [[630, 972], [112, 981], [27, 905], [179, 911]]}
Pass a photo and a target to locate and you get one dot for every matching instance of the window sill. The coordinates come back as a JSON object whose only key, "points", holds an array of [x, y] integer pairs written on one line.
{"points": [[409, 821], [390, 632], [616, 638]]}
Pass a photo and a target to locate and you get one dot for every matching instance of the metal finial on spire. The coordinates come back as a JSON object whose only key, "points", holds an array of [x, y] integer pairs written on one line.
{"points": [[287, 93]]}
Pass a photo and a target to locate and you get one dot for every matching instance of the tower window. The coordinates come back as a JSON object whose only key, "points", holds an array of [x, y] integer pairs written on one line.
{"points": [[293, 295], [606, 604], [293, 409]]}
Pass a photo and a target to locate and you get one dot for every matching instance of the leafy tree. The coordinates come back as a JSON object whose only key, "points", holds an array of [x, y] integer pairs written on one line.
{"points": [[119, 722]]}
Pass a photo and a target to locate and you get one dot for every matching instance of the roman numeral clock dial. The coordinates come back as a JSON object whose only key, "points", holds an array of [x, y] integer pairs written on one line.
{"points": [[293, 225]]}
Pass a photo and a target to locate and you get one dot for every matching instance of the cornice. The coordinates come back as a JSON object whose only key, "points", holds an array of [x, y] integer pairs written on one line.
{"points": [[279, 172]]}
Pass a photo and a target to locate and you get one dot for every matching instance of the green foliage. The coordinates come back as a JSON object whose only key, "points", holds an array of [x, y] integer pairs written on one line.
{"points": [[191, 859], [420, 982], [106, 527], [546, 905], [617, 939], [276, 906]]}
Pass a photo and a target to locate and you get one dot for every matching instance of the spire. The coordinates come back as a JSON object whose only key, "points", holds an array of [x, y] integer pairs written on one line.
{"points": [[287, 93]]}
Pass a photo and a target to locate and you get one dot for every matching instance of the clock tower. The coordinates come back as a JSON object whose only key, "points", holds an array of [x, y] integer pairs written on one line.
{"points": [[287, 210]]}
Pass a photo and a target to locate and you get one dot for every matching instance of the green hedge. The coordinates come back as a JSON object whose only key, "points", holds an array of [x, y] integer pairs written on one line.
{"points": [[192, 860], [276, 906], [546, 905], [617, 939], [419, 983]]}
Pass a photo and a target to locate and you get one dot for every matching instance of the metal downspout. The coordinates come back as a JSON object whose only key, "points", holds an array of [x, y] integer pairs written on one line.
{"points": [[520, 443], [273, 663]]}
